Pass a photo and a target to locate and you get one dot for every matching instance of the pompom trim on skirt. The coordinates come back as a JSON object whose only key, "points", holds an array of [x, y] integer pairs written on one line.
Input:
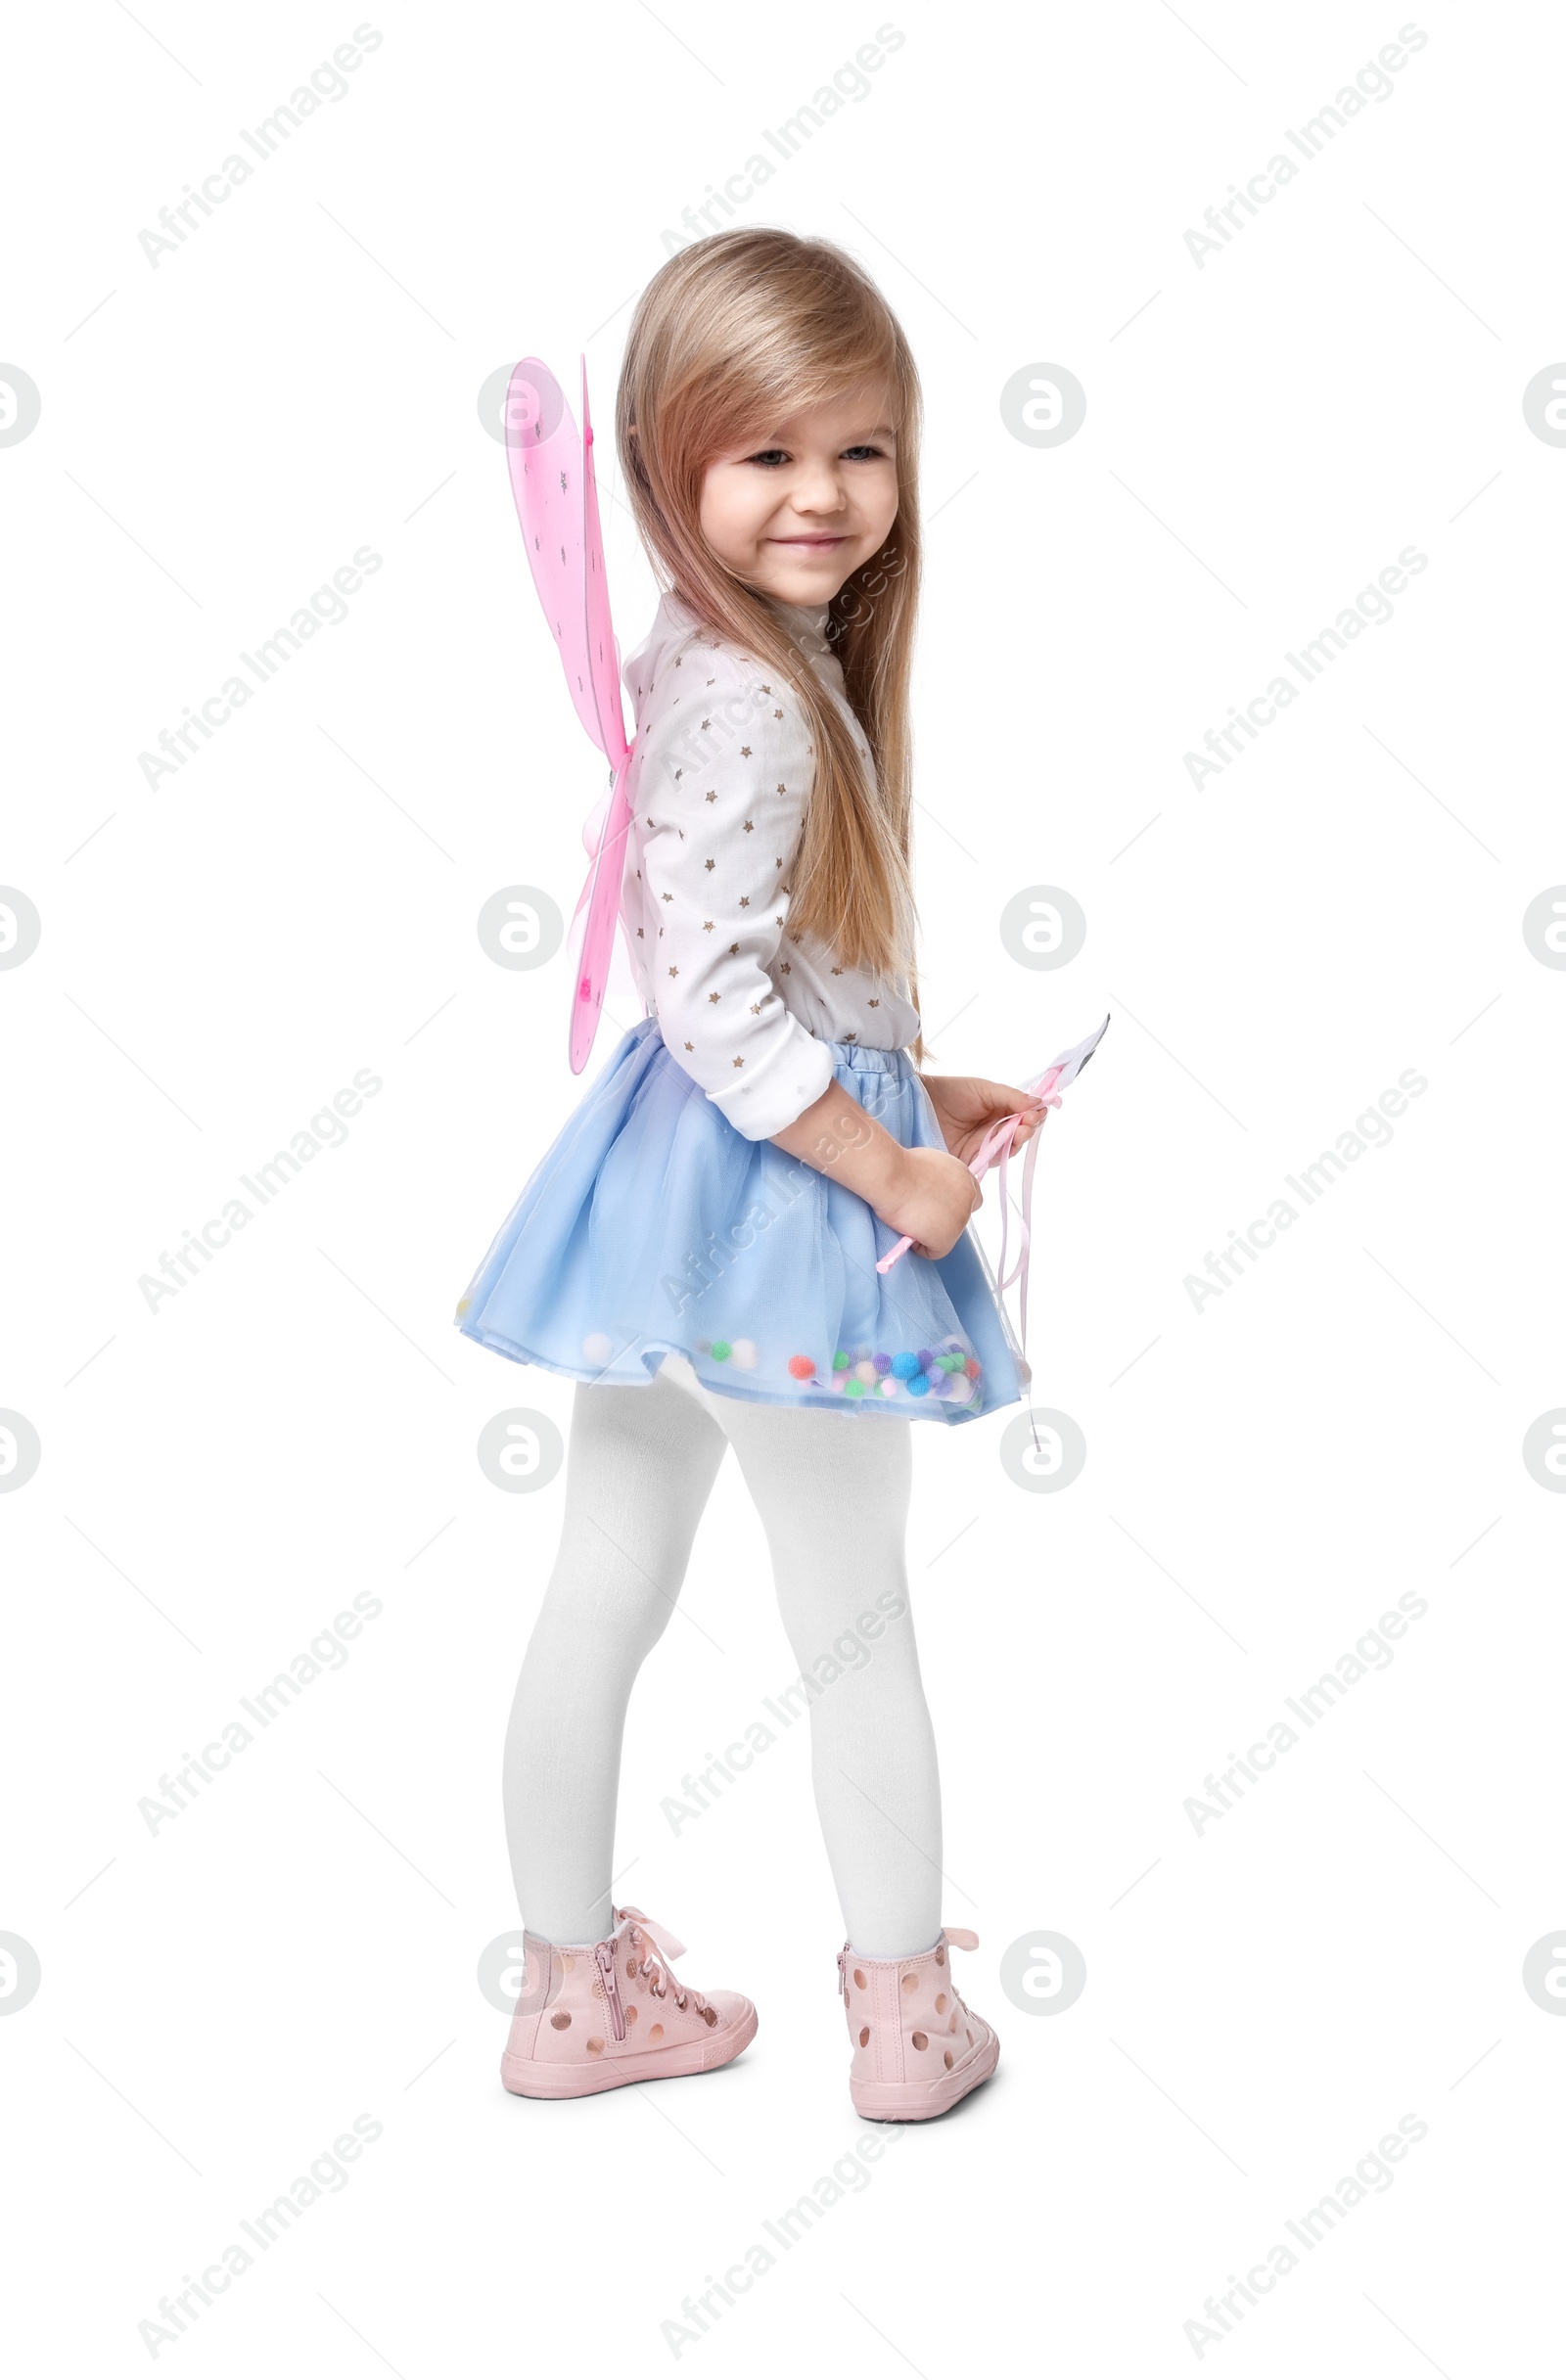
{"points": [[652, 1226]]}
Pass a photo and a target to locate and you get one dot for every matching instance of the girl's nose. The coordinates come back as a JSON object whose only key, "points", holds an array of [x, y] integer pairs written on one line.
{"points": [[818, 489]]}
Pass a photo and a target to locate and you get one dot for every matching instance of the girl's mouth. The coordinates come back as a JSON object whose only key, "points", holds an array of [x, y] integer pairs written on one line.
{"points": [[815, 543]]}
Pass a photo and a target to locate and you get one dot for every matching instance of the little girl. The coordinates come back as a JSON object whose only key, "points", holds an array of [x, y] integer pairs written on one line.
{"points": [[699, 1248]]}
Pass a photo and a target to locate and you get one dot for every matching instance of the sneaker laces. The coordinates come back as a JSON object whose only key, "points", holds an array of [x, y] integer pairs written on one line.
{"points": [[961, 1937], [658, 1947]]}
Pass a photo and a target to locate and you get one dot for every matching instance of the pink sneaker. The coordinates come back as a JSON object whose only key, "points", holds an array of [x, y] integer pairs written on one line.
{"points": [[615, 2012], [918, 2047]]}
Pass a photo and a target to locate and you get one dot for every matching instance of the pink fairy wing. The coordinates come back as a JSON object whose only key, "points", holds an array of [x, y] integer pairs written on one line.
{"points": [[555, 489], [603, 888], [544, 451], [603, 654]]}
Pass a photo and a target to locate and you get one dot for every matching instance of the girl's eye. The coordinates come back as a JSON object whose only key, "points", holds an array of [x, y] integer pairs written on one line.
{"points": [[770, 457]]}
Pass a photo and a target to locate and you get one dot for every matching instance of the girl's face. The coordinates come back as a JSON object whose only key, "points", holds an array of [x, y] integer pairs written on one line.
{"points": [[796, 514]]}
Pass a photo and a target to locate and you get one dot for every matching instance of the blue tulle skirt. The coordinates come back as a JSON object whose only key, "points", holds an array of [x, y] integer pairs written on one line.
{"points": [[653, 1226]]}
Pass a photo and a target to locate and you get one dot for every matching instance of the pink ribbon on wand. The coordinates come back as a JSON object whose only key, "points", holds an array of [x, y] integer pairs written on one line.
{"points": [[997, 1145]]}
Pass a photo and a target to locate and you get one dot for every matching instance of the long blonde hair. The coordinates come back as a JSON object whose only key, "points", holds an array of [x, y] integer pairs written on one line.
{"points": [[734, 334]]}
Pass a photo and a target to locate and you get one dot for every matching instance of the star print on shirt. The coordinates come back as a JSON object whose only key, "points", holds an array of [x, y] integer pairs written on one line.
{"points": [[739, 1062], [745, 901], [711, 864], [745, 751], [707, 925], [690, 1045], [673, 971], [778, 714], [713, 998], [712, 797], [750, 828], [707, 722]]}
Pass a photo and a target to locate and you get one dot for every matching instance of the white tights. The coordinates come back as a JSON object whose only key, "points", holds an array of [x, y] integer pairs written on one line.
{"points": [[832, 1491]]}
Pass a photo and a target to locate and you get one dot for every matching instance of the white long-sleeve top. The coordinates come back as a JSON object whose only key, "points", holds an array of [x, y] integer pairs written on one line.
{"points": [[717, 787]]}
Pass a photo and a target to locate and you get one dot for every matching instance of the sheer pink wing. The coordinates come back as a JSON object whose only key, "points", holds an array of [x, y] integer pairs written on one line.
{"points": [[555, 489]]}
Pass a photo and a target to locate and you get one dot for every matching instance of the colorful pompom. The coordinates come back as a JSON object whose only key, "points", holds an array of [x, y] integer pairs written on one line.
{"points": [[890, 1386], [866, 1372], [906, 1364], [925, 1359], [801, 1367], [971, 1367], [853, 1388], [703, 1346], [840, 1361], [598, 1347], [721, 1351], [745, 1354], [883, 1363], [918, 1385]]}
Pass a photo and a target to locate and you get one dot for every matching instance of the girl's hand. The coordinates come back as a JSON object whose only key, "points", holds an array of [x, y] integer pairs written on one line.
{"points": [[930, 1197], [968, 1108]]}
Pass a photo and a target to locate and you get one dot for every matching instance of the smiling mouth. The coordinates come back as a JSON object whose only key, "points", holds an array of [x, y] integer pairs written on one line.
{"points": [[825, 540]]}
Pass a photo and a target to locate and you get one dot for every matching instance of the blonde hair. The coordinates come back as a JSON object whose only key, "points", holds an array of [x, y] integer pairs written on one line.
{"points": [[734, 334]]}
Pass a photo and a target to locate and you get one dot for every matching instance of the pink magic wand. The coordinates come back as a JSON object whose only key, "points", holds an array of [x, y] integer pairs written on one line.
{"points": [[1057, 1076]]}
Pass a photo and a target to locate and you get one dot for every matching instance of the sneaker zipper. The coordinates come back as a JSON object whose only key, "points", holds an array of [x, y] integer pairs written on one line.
{"points": [[604, 1953]]}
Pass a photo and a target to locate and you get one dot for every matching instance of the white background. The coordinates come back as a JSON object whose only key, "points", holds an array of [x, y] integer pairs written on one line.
{"points": [[220, 954]]}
